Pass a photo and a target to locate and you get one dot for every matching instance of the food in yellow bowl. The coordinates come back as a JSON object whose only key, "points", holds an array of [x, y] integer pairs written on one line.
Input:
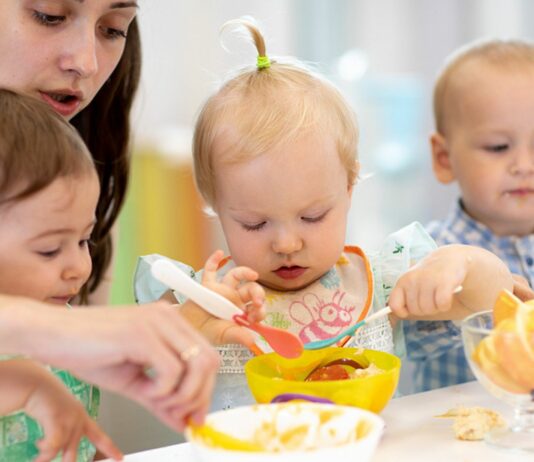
{"points": [[369, 387], [287, 432]]}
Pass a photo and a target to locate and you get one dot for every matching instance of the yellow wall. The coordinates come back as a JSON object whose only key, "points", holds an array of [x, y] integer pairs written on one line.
{"points": [[162, 214]]}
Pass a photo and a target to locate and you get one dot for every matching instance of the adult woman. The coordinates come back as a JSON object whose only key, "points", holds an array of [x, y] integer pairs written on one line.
{"points": [[83, 58]]}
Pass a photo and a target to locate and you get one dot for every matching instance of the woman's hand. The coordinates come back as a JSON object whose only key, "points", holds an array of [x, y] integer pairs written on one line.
{"points": [[147, 353]]}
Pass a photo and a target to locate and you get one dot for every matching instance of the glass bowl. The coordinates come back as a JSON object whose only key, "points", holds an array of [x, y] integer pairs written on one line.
{"points": [[505, 369]]}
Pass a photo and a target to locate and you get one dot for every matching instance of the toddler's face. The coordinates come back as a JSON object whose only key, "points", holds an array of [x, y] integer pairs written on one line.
{"points": [[44, 250], [490, 143], [284, 213]]}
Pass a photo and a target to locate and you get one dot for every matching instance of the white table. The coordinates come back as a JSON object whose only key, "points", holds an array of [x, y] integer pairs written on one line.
{"points": [[412, 432]]}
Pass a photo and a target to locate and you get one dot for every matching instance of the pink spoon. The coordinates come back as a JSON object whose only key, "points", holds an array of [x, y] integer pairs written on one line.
{"points": [[282, 341]]}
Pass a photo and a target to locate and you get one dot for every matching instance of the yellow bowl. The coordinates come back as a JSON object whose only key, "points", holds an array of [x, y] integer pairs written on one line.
{"points": [[271, 375]]}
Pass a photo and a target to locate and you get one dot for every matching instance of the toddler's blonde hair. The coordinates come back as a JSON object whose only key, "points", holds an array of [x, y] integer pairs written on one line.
{"points": [[265, 107], [503, 54]]}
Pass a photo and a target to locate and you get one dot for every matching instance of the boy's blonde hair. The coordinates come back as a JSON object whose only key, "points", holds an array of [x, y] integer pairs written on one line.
{"points": [[267, 106], [503, 54]]}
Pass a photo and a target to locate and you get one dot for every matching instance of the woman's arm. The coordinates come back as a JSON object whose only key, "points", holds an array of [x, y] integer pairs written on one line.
{"points": [[115, 347]]}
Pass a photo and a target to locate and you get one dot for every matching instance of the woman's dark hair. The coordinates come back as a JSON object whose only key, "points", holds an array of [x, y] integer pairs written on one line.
{"points": [[105, 127]]}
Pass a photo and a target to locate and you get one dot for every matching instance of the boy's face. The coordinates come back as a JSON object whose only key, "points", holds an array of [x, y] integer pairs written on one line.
{"points": [[44, 250], [488, 147], [284, 213]]}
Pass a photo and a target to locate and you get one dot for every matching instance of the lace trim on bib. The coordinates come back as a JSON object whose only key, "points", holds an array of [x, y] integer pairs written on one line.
{"points": [[377, 335], [233, 358]]}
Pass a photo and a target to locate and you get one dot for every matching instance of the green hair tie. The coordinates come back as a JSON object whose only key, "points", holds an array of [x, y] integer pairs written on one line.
{"points": [[263, 62]]}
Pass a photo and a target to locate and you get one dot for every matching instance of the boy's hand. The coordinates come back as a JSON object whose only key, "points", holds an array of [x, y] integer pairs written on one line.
{"points": [[61, 415], [522, 290], [426, 291], [239, 287], [427, 288]]}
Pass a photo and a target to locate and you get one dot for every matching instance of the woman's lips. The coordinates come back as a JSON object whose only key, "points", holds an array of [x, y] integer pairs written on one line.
{"points": [[289, 272], [65, 108]]}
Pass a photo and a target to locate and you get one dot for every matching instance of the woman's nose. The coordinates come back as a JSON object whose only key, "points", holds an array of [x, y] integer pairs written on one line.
{"points": [[79, 55]]}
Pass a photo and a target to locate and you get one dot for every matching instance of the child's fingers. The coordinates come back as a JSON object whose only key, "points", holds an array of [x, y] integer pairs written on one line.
{"points": [[102, 441], [443, 298], [397, 303], [426, 303], [209, 275], [50, 444], [237, 334], [252, 295], [235, 277]]}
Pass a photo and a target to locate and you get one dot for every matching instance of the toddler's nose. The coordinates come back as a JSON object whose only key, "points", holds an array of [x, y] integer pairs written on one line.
{"points": [[78, 268], [286, 242], [523, 162]]}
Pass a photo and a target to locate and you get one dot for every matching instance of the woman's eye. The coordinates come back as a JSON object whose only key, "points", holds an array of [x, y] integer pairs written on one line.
{"points": [[113, 33], [48, 19], [497, 147], [255, 227], [316, 219]]}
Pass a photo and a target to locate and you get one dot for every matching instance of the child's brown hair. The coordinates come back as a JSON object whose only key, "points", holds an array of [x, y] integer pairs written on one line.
{"points": [[37, 146]]}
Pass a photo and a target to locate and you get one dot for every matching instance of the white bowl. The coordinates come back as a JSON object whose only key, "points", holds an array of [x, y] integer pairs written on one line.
{"points": [[325, 441]]}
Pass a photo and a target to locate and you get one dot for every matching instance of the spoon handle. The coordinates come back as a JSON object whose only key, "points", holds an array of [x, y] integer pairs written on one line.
{"points": [[165, 272]]}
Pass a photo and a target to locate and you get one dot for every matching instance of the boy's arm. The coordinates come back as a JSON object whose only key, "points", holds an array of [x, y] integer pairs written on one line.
{"points": [[426, 291]]}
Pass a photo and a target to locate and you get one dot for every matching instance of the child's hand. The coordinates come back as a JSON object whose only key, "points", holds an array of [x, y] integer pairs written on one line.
{"points": [[239, 287], [62, 416], [522, 290], [427, 289]]}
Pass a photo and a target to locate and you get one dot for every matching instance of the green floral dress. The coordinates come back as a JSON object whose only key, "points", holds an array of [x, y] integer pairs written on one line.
{"points": [[19, 432]]}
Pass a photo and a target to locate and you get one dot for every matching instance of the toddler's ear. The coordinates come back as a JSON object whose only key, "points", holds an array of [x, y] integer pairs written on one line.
{"points": [[441, 161]]}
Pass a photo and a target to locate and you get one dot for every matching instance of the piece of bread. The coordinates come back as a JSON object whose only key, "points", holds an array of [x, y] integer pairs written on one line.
{"points": [[472, 423]]}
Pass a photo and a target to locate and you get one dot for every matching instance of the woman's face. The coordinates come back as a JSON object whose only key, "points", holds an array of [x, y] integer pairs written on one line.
{"points": [[62, 51]]}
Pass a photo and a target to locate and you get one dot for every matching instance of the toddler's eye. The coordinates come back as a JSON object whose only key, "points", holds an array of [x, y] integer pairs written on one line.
{"points": [[497, 147], [49, 253], [255, 227], [316, 219], [48, 19]]}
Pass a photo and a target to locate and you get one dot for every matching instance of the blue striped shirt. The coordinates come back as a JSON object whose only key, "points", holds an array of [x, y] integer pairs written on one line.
{"points": [[435, 347]]}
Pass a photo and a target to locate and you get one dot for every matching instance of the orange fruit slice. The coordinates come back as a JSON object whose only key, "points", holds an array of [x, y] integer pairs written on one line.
{"points": [[505, 307]]}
